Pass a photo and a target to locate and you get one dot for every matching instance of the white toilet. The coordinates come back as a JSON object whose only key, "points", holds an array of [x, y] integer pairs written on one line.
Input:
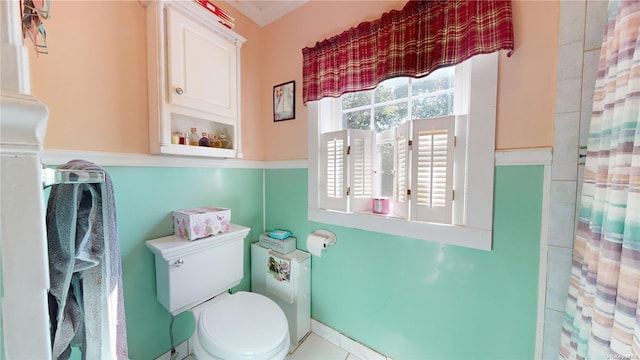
{"points": [[196, 276]]}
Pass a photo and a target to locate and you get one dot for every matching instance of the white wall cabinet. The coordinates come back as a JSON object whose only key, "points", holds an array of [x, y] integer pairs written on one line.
{"points": [[194, 78]]}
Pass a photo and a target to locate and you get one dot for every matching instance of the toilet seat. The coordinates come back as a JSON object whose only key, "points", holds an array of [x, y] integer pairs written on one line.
{"points": [[243, 326]]}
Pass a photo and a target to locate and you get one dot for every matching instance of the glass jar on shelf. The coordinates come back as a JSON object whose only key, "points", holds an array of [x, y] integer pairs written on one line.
{"points": [[194, 139], [204, 140], [215, 142], [175, 137], [224, 142]]}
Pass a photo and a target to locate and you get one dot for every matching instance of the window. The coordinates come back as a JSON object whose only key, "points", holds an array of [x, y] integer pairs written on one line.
{"points": [[361, 146], [368, 155]]}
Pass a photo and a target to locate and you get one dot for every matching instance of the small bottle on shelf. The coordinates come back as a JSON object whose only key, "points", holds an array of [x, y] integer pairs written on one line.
{"points": [[224, 142], [193, 137], [175, 137], [216, 142], [204, 140]]}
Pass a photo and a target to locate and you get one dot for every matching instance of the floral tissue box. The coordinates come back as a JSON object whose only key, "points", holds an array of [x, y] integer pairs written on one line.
{"points": [[192, 224]]}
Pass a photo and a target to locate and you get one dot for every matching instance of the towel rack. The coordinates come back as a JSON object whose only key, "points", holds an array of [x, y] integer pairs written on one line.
{"points": [[51, 176]]}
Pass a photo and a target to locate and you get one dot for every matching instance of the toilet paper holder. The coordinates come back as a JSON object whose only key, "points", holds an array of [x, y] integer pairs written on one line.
{"points": [[331, 237]]}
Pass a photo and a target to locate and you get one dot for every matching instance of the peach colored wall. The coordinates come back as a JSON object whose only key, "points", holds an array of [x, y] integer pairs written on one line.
{"points": [[526, 80], [94, 77], [285, 39], [526, 85]]}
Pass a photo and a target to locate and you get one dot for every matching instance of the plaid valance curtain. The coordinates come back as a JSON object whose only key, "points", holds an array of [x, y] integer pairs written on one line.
{"points": [[414, 41]]}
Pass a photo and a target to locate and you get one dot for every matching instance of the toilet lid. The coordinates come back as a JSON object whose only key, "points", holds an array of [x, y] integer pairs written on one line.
{"points": [[244, 325]]}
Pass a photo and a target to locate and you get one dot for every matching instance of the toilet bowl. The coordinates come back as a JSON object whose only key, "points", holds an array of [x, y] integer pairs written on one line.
{"points": [[240, 326], [196, 275]]}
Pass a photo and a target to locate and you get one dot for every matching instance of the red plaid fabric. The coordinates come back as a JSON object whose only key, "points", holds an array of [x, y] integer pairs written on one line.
{"points": [[414, 41]]}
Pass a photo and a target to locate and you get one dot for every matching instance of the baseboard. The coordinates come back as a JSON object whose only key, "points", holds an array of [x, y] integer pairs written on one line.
{"points": [[182, 351], [344, 342]]}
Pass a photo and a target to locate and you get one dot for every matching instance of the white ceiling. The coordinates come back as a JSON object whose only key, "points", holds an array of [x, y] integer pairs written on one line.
{"points": [[263, 12]]}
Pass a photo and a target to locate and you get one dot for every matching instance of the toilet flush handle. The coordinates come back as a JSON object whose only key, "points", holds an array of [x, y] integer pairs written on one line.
{"points": [[178, 263]]}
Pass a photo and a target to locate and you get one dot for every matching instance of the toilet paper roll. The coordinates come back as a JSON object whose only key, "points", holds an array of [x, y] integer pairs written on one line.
{"points": [[315, 244]]}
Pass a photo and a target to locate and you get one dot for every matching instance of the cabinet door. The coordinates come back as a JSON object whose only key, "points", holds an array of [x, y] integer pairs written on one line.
{"points": [[201, 67]]}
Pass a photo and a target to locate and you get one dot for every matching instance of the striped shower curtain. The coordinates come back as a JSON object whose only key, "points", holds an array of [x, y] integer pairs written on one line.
{"points": [[602, 317]]}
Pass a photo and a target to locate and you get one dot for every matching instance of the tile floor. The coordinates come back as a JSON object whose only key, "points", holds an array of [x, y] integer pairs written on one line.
{"points": [[315, 347]]}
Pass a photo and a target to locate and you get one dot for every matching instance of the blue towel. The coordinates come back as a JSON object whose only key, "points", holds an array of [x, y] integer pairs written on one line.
{"points": [[85, 269]]}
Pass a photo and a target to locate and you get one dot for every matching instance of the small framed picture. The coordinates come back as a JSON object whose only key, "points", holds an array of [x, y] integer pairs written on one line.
{"points": [[284, 101]]}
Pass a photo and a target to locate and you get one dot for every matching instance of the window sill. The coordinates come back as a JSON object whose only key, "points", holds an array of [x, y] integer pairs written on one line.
{"points": [[371, 213], [446, 234]]}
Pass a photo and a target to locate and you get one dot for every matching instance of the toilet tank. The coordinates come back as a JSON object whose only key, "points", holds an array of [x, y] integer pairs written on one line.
{"points": [[190, 272]]}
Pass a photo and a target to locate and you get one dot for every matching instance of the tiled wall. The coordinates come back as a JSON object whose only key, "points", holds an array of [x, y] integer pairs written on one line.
{"points": [[582, 25]]}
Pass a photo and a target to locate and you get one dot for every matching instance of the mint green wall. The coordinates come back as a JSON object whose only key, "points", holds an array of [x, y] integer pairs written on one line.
{"points": [[413, 299], [406, 298], [145, 198]]}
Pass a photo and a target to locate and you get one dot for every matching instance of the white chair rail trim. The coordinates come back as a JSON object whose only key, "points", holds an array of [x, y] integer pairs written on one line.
{"points": [[533, 156]]}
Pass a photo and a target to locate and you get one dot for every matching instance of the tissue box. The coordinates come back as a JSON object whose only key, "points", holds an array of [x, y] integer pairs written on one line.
{"points": [[282, 246], [192, 224]]}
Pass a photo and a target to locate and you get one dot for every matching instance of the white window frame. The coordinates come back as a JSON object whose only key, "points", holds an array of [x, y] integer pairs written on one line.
{"points": [[473, 208]]}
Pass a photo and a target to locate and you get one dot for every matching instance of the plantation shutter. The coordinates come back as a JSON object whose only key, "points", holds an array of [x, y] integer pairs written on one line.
{"points": [[361, 169], [333, 182], [432, 169], [401, 170]]}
